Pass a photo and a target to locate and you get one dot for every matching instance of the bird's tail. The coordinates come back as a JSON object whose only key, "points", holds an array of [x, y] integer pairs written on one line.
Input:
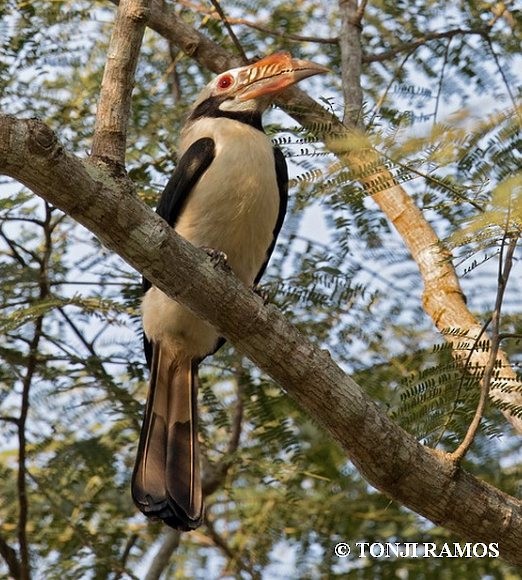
{"points": [[166, 482]]}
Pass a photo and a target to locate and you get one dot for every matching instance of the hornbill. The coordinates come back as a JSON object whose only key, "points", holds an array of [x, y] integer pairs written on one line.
{"points": [[227, 193]]}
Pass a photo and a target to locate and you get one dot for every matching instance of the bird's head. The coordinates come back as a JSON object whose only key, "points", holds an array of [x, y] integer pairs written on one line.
{"points": [[249, 90]]}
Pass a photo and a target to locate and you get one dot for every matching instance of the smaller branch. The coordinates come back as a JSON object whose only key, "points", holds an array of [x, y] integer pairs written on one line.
{"points": [[285, 35], [250, 24], [88, 345], [351, 59], [441, 81], [22, 453], [84, 537], [499, 10], [415, 43], [232, 555], [390, 54], [9, 419], [237, 424], [360, 11], [505, 266], [31, 369], [175, 87], [384, 96], [9, 555], [110, 130], [214, 474], [502, 73], [13, 246], [131, 541], [162, 558], [219, 542], [465, 368], [231, 33]]}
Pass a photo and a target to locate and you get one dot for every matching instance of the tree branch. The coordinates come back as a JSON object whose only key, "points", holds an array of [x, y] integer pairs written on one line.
{"points": [[504, 270], [32, 363], [234, 557], [212, 56], [110, 130], [351, 62], [10, 557], [443, 299], [425, 480], [230, 31], [161, 560], [410, 45], [390, 54]]}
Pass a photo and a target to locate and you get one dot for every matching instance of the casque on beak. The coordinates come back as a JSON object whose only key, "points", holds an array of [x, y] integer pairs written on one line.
{"points": [[274, 73]]}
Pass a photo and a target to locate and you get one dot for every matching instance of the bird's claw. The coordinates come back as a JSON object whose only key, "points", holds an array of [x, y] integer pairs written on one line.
{"points": [[217, 257], [262, 293]]}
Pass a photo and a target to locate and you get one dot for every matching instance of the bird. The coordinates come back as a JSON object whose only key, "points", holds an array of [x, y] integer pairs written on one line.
{"points": [[227, 194]]}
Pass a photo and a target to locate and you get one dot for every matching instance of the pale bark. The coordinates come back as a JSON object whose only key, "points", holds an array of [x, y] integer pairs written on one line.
{"points": [[163, 556], [425, 480], [442, 298], [110, 130]]}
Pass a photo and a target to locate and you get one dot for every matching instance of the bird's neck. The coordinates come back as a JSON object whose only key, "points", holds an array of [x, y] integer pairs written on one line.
{"points": [[210, 108]]}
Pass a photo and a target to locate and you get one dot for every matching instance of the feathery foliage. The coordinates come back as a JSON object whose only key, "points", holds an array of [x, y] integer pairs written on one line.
{"points": [[440, 109]]}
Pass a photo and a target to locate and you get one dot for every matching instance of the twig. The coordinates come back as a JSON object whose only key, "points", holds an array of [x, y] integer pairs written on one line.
{"points": [[10, 557], [110, 130], [417, 42], [390, 54], [506, 335], [214, 474], [32, 363], [82, 535], [233, 556], [361, 10], [174, 54], [231, 33], [466, 366], [126, 552], [504, 270], [9, 419], [502, 74], [237, 423], [441, 81], [384, 96]]}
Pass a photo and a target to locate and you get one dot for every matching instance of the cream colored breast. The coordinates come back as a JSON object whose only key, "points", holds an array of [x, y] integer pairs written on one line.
{"points": [[234, 206]]}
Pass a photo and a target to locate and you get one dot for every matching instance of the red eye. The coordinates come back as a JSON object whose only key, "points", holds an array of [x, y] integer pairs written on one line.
{"points": [[225, 81]]}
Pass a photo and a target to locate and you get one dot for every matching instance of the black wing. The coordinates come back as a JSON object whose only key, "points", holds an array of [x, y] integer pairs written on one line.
{"points": [[193, 163], [282, 184], [190, 168]]}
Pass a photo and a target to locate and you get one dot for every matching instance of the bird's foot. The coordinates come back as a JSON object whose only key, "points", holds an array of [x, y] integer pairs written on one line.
{"points": [[262, 293], [217, 257]]}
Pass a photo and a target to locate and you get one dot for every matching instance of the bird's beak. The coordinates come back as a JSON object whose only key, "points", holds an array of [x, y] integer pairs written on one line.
{"points": [[272, 74]]}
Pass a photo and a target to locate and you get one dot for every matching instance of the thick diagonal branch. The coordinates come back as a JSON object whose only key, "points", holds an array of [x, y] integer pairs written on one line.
{"points": [[390, 459], [443, 299]]}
